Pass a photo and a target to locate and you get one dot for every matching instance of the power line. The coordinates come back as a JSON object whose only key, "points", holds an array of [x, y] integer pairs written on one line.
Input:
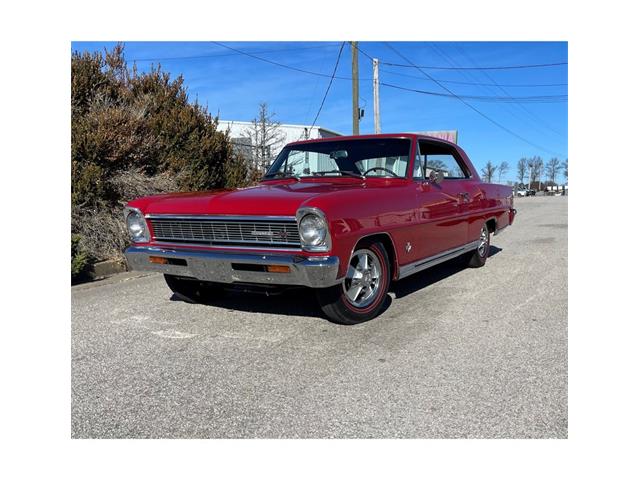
{"points": [[548, 98], [532, 99], [502, 127], [364, 53], [494, 84], [522, 107], [335, 68], [214, 55], [472, 75], [480, 84], [503, 67], [289, 67], [481, 98]]}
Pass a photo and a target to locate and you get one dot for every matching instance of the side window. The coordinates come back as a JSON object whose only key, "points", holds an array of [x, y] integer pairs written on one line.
{"points": [[447, 164], [440, 158]]}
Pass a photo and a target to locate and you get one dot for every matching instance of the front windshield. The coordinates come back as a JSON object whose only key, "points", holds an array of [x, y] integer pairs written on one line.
{"points": [[381, 157]]}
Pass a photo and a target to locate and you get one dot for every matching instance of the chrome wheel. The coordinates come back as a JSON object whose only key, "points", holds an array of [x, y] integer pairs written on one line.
{"points": [[362, 281], [484, 240]]}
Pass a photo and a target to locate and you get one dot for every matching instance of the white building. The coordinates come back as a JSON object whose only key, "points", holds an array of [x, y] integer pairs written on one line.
{"points": [[290, 133]]}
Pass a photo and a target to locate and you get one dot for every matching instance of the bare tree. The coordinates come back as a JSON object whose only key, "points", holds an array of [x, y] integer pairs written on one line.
{"points": [[535, 166], [488, 171], [522, 170], [565, 168], [502, 169], [553, 166], [538, 168], [265, 137]]}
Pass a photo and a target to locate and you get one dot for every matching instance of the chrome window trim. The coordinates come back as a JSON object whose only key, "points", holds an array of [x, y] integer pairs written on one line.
{"points": [[326, 245]]}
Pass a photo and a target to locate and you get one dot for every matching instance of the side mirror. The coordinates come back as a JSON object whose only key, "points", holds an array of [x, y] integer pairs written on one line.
{"points": [[435, 177]]}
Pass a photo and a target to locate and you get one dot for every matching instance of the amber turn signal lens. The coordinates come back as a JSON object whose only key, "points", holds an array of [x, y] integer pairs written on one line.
{"points": [[278, 268], [160, 260]]}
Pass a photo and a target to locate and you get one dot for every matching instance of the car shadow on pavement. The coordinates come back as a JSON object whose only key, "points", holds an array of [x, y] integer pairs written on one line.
{"points": [[296, 302], [302, 301], [432, 275], [299, 302]]}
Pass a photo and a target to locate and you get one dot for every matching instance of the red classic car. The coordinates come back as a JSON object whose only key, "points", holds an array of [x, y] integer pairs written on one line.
{"points": [[344, 216]]}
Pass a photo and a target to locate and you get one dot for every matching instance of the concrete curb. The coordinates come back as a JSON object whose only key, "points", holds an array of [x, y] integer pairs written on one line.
{"points": [[108, 267]]}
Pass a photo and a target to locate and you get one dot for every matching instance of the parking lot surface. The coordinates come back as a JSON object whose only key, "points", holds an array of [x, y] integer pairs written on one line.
{"points": [[477, 353]]}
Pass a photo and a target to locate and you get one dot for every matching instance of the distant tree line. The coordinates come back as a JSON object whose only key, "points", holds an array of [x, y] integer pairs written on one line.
{"points": [[529, 172], [135, 134]]}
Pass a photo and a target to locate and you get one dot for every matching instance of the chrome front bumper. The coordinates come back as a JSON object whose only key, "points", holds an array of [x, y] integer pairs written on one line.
{"points": [[232, 267]]}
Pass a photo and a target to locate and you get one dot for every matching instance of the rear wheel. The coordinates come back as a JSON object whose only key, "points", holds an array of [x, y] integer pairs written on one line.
{"points": [[478, 257], [192, 289], [361, 294]]}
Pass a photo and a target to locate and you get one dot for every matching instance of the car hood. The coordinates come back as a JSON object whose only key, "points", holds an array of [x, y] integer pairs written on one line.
{"points": [[265, 199]]}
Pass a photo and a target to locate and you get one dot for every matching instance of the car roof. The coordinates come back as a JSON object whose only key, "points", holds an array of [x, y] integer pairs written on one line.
{"points": [[411, 136]]}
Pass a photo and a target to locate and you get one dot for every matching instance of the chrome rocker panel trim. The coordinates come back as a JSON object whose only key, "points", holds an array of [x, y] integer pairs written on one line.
{"points": [[418, 266], [315, 272]]}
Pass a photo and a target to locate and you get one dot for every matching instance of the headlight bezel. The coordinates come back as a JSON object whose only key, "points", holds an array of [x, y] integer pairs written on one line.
{"points": [[325, 244], [144, 236]]}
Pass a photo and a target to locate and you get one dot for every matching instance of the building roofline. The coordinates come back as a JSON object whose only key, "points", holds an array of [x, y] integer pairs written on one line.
{"points": [[319, 127]]}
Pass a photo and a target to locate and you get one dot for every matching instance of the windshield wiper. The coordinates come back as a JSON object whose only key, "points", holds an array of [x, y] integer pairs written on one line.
{"points": [[344, 172], [281, 175]]}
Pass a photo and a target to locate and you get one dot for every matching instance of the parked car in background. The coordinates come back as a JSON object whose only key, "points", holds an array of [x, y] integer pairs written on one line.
{"points": [[521, 193], [344, 216]]}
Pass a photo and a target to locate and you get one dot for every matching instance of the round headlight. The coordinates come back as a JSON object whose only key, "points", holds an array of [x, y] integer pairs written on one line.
{"points": [[137, 226], [312, 229]]}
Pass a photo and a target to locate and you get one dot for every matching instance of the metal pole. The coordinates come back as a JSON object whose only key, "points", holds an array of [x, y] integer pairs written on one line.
{"points": [[355, 88], [376, 97]]}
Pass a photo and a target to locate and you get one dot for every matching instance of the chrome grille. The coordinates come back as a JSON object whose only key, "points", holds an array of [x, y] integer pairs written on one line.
{"points": [[220, 231]]}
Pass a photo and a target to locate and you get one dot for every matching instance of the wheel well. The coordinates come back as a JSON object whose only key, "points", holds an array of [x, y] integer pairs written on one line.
{"points": [[491, 224], [386, 241]]}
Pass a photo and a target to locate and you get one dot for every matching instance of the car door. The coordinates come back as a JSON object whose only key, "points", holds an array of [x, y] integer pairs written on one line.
{"points": [[472, 208], [440, 206]]}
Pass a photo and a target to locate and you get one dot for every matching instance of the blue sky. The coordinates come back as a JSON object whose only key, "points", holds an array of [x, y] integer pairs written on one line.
{"points": [[234, 84]]}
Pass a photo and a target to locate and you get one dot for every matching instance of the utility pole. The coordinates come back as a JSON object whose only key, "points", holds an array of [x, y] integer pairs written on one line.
{"points": [[355, 80], [376, 97]]}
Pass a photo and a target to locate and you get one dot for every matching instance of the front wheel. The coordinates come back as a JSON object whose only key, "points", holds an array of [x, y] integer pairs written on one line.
{"points": [[361, 294]]}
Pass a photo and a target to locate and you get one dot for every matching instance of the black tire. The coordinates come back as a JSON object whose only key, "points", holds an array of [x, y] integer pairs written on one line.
{"points": [[339, 307], [192, 289], [478, 257]]}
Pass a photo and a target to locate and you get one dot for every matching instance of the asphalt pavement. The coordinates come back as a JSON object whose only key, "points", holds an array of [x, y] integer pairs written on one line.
{"points": [[458, 353]]}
